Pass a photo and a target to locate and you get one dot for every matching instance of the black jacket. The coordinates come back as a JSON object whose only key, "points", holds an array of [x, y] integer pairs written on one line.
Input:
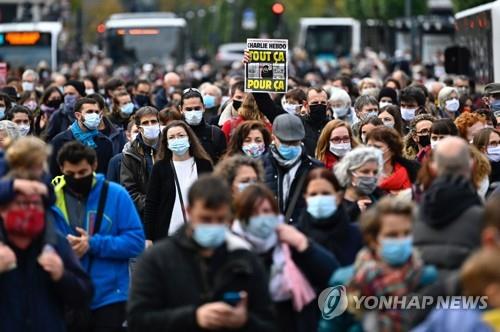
{"points": [[30, 300], [134, 175], [115, 134], [271, 111], [104, 151], [172, 280], [160, 197], [212, 139], [337, 234], [59, 122], [274, 178], [449, 224]]}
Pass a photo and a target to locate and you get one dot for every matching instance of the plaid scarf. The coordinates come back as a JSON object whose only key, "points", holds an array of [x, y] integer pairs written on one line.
{"points": [[373, 277]]}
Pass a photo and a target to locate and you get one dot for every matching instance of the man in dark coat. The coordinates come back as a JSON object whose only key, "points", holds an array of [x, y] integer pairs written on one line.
{"points": [[202, 278], [286, 165]]}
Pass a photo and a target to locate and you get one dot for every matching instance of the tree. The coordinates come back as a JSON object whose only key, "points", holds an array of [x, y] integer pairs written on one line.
{"points": [[460, 5]]}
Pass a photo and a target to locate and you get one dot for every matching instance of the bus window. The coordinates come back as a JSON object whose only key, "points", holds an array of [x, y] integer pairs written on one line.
{"points": [[25, 48], [145, 45], [329, 40]]}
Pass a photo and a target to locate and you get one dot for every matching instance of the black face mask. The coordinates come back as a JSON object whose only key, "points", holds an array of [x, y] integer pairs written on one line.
{"points": [[55, 103], [142, 100], [236, 104], [317, 112], [80, 186], [424, 140]]}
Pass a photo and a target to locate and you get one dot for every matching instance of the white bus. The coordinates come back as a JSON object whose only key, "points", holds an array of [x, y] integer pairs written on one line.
{"points": [[28, 43], [327, 39], [478, 29], [138, 38]]}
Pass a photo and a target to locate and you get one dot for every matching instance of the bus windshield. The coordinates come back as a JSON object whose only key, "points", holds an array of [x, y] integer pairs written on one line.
{"points": [[145, 45], [333, 41], [25, 48]]}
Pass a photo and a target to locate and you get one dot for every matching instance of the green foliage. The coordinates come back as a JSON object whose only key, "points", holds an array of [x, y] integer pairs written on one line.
{"points": [[459, 5]]}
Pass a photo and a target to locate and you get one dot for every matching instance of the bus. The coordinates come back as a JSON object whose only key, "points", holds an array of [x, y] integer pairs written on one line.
{"points": [[27, 44], [328, 39], [139, 38], [477, 29]]}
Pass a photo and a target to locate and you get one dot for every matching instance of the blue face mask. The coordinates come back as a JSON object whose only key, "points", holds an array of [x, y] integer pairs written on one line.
{"points": [[244, 185], [209, 101], [92, 121], [321, 206], [69, 102], [179, 146], [127, 109], [495, 105], [210, 236], [289, 152], [396, 251], [262, 226], [2, 113]]}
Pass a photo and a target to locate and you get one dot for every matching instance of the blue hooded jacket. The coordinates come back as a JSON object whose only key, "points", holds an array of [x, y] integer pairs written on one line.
{"points": [[119, 238]]}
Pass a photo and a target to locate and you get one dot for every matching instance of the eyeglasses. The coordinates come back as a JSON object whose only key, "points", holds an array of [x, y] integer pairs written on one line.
{"points": [[185, 91], [423, 132], [337, 139]]}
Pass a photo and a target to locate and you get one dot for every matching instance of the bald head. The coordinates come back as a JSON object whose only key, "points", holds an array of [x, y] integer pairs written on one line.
{"points": [[171, 79], [452, 156]]}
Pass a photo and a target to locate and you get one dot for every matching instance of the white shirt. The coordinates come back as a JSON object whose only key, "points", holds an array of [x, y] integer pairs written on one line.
{"points": [[186, 174]]}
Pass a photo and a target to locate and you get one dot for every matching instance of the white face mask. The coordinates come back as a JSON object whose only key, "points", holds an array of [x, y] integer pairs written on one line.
{"points": [[133, 137], [383, 104], [434, 144], [23, 129], [290, 108], [193, 118], [340, 149], [151, 132], [28, 86], [340, 112], [408, 114], [452, 105], [89, 91]]}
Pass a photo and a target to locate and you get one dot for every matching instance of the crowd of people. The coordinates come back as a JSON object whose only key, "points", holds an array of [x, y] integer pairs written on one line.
{"points": [[193, 205]]}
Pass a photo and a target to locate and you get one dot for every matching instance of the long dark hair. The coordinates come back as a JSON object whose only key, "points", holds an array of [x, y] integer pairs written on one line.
{"points": [[242, 131], [196, 150]]}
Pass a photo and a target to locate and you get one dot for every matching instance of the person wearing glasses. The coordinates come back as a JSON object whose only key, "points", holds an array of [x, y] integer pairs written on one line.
{"points": [[88, 116], [211, 137], [183, 159], [334, 142], [418, 141]]}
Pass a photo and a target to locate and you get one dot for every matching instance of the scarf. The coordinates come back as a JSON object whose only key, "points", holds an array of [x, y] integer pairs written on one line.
{"points": [[330, 160], [87, 138], [398, 180], [286, 281], [373, 277], [286, 164]]}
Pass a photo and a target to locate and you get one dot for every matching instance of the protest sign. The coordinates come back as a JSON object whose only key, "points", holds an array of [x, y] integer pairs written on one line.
{"points": [[267, 68]]}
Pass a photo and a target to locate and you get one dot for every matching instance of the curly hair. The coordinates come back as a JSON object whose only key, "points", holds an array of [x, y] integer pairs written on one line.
{"points": [[324, 138], [467, 120], [410, 146]]}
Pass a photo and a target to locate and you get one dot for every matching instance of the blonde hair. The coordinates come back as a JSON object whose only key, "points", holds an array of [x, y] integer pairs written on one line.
{"points": [[324, 138], [480, 270], [249, 109], [26, 152], [482, 166]]}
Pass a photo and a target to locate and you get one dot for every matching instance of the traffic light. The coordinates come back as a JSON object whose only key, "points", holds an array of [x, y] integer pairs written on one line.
{"points": [[278, 8]]}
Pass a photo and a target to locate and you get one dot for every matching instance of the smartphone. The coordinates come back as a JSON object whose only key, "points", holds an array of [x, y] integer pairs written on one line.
{"points": [[231, 298]]}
